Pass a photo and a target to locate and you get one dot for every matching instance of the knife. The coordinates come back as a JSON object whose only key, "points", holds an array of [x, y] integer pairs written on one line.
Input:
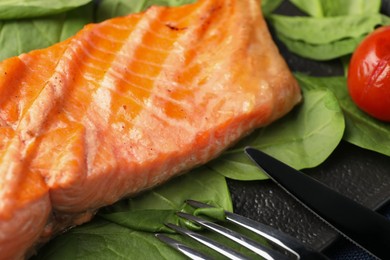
{"points": [[366, 228]]}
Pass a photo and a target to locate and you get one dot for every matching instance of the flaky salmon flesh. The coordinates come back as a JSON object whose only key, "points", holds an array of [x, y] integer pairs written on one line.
{"points": [[127, 104]]}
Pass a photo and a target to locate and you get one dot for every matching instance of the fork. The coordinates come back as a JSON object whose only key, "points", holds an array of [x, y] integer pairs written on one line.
{"points": [[288, 247]]}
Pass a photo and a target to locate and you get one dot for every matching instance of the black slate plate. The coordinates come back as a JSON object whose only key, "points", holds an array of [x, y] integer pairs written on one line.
{"points": [[357, 173]]}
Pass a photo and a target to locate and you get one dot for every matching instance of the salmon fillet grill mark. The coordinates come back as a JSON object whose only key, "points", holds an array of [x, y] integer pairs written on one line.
{"points": [[127, 104]]}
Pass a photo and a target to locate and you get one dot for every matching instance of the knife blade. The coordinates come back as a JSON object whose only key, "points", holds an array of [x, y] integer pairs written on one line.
{"points": [[366, 228]]}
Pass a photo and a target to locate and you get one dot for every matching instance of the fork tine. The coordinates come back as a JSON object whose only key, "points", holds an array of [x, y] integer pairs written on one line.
{"points": [[259, 249], [228, 252], [191, 253], [279, 238]]}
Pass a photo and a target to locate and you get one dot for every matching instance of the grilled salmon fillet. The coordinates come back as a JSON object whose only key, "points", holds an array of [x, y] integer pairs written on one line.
{"points": [[125, 105]]}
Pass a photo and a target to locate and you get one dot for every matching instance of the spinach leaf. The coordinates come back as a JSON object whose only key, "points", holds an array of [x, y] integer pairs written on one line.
{"points": [[16, 9], [143, 220], [302, 139], [334, 29], [324, 8], [19, 36], [350, 7], [361, 129], [321, 52], [311, 7], [325, 30], [102, 239], [165, 200], [152, 220], [112, 8], [268, 6], [125, 228], [172, 194]]}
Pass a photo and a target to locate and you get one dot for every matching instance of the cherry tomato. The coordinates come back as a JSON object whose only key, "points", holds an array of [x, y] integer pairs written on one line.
{"points": [[369, 74]]}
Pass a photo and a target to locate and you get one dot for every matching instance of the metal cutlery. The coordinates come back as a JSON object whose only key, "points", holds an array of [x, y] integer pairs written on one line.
{"points": [[288, 247], [364, 227]]}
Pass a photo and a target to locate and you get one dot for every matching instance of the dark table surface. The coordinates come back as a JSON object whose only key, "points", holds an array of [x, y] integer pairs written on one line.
{"points": [[362, 175]]}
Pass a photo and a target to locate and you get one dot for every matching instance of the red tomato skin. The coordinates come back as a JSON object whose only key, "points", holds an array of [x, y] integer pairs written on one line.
{"points": [[369, 74]]}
